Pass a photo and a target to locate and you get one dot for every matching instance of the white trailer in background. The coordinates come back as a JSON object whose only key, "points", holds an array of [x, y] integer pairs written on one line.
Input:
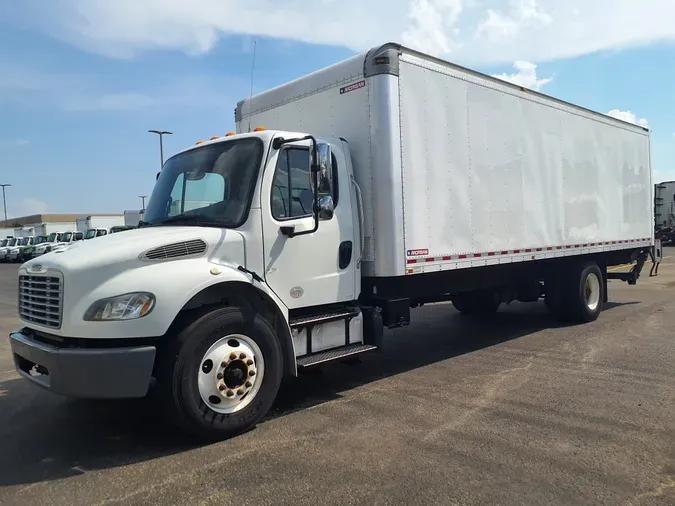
{"points": [[24, 232], [6, 233], [132, 218], [48, 228], [97, 226], [387, 181]]}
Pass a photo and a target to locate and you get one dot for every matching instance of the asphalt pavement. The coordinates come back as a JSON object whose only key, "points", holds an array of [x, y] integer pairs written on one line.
{"points": [[515, 409]]}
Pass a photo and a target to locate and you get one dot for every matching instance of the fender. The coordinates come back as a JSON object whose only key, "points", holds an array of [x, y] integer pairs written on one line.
{"points": [[237, 289]]}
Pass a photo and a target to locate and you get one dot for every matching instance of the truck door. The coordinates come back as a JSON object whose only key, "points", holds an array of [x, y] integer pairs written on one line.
{"points": [[313, 269]]}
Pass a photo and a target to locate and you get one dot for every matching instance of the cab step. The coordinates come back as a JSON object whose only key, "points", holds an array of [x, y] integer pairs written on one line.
{"points": [[334, 354], [310, 321]]}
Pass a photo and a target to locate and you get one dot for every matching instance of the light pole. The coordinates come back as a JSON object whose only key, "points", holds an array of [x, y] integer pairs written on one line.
{"points": [[161, 145], [143, 197], [4, 200]]}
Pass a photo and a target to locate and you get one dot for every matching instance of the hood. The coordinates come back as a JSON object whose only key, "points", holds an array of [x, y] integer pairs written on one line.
{"points": [[127, 248]]}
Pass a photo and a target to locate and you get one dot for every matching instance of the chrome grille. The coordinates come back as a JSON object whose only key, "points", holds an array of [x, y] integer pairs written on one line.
{"points": [[41, 300], [179, 249]]}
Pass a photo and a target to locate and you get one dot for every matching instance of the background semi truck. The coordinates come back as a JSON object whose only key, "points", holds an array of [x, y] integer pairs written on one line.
{"points": [[346, 198]]}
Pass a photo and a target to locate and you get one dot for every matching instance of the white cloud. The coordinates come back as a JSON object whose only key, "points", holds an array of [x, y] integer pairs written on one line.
{"points": [[526, 76], [629, 117], [15, 143], [25, 207], [89, 93], [469, 31]]}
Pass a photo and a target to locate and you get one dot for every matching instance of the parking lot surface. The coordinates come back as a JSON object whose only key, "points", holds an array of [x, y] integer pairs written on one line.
{"points": [[516, 409]]}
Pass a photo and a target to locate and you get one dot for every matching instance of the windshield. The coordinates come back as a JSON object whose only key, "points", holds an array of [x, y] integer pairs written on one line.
{"points": [[3, 243], [23, 242], [12, 242], [53, 237], [91, 233], [209, 186], [40, 240], [66, 237]]}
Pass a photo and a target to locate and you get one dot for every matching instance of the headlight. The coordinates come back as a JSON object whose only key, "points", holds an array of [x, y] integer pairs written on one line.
{"points": [[47, 249], [129, 306]]}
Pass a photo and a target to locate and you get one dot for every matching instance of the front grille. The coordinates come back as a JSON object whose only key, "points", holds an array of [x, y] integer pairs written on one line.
{"points": [[179, 249], [41, 300]]}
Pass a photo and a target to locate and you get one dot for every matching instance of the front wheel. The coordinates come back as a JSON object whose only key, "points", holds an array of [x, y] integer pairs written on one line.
{"points": [[221, 374]]}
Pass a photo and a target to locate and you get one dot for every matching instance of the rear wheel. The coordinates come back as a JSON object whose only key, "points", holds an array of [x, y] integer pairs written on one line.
{"points": [[221, 374], [577, 293]]}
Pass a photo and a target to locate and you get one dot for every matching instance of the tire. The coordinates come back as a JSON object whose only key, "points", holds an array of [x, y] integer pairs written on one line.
{"points": [[577, 294], [184, 378]]}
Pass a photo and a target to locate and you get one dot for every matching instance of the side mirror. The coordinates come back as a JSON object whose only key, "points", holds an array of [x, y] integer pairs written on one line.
{"points": [[157, 176], [326, 208]]}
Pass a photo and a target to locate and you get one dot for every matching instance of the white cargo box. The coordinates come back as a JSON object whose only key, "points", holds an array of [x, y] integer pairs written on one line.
{"points": [[459, 169]]}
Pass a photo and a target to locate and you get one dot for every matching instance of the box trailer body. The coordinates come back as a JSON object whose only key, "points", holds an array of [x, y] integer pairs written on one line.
{"points": [[461, 170], [378, 184], [24, 232], [132, 218], [48, 228], [101, 222]]}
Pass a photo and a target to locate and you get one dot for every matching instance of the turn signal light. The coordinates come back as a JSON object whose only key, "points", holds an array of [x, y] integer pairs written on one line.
{"points": [[214, 138], [259, 129], [230, 134], [199, 142]]}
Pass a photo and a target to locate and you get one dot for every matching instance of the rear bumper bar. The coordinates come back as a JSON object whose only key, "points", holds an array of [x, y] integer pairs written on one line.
{"points": [[106, 373]]}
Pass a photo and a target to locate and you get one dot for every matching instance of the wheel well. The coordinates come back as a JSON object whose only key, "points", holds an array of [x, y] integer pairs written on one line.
{"points": [[249, 299]]}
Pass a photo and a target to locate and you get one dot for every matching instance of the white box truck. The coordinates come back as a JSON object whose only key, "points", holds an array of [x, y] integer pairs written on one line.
{"points": [[132, 218], [97, 226], [387, 181]]}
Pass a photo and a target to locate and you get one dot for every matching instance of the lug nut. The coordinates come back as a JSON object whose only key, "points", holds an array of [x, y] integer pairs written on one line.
{"points": [[223, 364], [249, 384], [219, 375], [233, 356], [249, 362], [221, 387], [230, 393], [251, 373], [242, 356], [240, 392]]}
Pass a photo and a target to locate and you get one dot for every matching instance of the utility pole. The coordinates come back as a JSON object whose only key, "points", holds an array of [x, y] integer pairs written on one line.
{"points": [[161, 145], [143, 197], [4, 200]]}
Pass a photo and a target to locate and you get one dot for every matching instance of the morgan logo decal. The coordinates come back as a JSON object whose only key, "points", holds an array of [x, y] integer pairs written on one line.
{"points": [[352, 87], [417, 252], [297, 292]]}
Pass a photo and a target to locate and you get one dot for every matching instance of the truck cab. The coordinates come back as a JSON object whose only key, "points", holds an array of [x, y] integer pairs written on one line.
{"points": [[47, 245], [18, 251], [67, 239], [5, 246]]}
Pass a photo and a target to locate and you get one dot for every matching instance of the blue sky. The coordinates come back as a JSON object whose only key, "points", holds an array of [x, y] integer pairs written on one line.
{"points": [[81, 81]]}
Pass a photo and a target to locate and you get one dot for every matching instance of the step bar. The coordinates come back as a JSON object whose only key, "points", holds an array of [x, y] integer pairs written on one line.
{"points": [[335, 354]]}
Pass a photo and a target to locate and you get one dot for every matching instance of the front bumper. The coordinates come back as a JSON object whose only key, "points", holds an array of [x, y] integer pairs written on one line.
{"points": [[13, 257], [96, 373]]}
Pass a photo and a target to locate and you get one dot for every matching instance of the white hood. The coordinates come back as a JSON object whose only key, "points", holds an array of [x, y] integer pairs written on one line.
{"points": [[127, 247]]}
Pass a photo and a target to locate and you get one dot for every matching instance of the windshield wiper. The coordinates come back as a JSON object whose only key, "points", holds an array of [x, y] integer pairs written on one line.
{"points": [[142, 224]]}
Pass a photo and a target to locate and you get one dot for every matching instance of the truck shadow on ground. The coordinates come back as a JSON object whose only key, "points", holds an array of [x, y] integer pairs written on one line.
{"points": [[45, 437]]}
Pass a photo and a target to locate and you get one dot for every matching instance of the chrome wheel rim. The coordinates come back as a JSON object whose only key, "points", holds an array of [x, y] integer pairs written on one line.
{"points": [[592, 291], [231, 373]]}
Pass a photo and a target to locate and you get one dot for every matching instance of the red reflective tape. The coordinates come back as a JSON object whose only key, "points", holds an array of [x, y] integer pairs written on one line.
{"points": [[429, 259], [491, 254], [461, 256], [411, 261], [540, 249], [568, 247], [528, 250], [550, 248], [516, 251], [505, 253], [477, 255], [447, 258]]}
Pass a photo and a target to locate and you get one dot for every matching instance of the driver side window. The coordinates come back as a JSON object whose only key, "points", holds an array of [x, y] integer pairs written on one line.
{"points": [[292, 188]]}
